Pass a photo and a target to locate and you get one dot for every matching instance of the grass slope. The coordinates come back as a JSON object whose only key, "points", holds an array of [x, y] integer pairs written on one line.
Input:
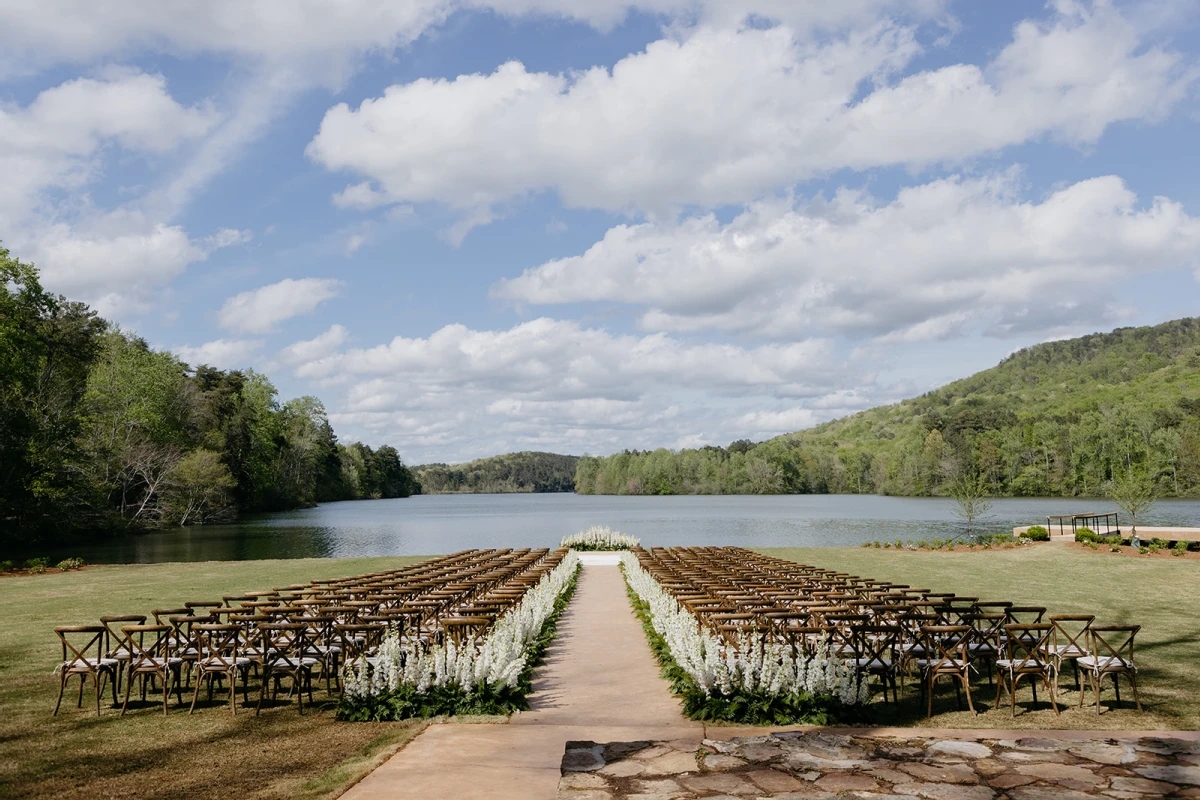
{"points": [[1156, 594], [277, 755]]}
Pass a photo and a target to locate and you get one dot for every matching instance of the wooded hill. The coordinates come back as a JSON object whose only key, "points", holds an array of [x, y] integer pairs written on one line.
{"points": [[512, 472], [1057, 419]]}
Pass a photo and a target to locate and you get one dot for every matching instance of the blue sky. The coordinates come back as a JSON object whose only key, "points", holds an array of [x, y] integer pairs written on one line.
{"points": [[474, 226]]}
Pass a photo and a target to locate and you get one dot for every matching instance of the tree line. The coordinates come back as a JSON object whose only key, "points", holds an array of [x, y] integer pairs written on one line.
{"points": [[511, 472], [99, 432], [1059, 419]]}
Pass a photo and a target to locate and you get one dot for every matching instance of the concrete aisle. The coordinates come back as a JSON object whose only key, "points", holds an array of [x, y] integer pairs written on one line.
{"points": [[600, 682]]}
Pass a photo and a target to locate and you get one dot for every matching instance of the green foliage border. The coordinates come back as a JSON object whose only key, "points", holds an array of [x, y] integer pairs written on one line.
{"points": [[405, 702]]}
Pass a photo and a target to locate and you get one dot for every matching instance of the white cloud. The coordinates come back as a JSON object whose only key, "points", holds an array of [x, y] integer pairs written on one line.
{"points": [[53, 143], [725, 115], [321, 36], [554, 382], [324, 37], [222, 353], [905, 269], [315, 349], [262, 309]]}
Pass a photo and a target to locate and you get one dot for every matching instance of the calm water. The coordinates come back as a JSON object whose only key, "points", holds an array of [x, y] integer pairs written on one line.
{"points": [[433, 524]]}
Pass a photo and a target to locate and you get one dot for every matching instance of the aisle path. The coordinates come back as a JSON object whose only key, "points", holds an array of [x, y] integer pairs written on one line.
{"points": [[599, 682]]}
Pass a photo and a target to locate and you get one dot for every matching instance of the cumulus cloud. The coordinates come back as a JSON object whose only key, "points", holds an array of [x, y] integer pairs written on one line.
{"points": [[557, 382], [222, 353], [53, 143], [315, 349], [261, 310], [904, 270], [723, 115]]}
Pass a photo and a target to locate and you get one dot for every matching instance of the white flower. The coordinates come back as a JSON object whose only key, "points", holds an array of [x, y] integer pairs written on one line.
{"points": [[498, 659], [600, 537], [751, 666]]}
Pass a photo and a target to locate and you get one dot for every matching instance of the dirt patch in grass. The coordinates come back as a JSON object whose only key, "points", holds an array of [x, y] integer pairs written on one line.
{"points": [[279, 754]]}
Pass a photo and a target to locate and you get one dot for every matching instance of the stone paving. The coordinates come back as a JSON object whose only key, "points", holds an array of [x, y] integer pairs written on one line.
{"points": [[816, 765]]}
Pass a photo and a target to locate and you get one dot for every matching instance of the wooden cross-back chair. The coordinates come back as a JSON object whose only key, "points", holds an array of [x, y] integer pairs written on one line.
{"points": [[114, 641], [1111, 655], [152, 660], [946, 656], [1027, 655], [220, 656], [83, 655], [874, 653], [284, 645], [1069, 642]]}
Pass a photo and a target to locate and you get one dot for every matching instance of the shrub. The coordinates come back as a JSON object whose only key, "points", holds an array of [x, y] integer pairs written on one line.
{"points": [[887, 545], [1037, 533], [36, 565], [922, 544], [1154, 548], [1116, 548], [1086, 535], [1179, 549], [1144, 550], [69, 564], [7, 566], [865, 544], [898, 544], [1092, 544], [1111, 540], [1159, 543], [875, 544]]}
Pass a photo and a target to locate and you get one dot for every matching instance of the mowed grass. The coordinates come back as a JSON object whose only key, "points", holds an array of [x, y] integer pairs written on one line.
{"points": [[1158, 594], [279, 754]]}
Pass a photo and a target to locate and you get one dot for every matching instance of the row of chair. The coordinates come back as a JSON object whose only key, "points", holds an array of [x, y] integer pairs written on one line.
{"points": [[299, 632], [889, 631]]}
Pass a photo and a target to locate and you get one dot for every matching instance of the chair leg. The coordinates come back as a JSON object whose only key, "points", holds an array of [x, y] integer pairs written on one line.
{"points": [[1097, 680], [96, 686], [1050, 687], [82, 678], [1133, 684], [1117, 687], [62, 684], [166, 680], [966, 682], [196, 692], [128, 688]]}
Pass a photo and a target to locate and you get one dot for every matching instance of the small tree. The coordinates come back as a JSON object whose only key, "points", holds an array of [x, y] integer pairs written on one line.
{"points": [[1134, 493], [971, 498], [200, 488]]}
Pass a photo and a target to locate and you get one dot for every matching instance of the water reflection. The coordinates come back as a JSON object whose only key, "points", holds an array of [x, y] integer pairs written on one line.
{"points": [[445, 523]]}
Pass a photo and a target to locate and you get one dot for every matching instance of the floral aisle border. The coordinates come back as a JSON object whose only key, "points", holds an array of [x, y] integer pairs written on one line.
{"points": [[491, 675], [599, 537], [755, 683]]}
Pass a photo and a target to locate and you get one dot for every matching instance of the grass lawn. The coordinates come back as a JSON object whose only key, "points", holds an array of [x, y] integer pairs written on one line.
{"points": [[1158, 594], [279, 754]]}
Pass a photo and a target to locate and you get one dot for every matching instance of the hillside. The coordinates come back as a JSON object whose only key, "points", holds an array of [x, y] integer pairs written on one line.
{"points": [[512, 472], [1055, 419]]}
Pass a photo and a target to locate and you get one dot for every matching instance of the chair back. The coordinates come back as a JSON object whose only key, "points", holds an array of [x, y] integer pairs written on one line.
{"points": [[114, 641], [1112, 646], [874, 645], [149, 645], [1027, 647], [285, 644], [1070, 637], [82, 646], [220, 645], [946, 647]]}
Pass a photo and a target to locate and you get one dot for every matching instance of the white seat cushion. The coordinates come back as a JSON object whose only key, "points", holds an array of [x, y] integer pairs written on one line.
{"points": [[223, 662], [158, 663], [1105, 663], [923, 663], [82, 664], [871, 663], [1069, 651]]}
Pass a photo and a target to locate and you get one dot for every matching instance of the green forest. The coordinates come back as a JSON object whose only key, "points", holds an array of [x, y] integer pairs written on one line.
{"points": [[1057, 419], [512, 472], [101, 433]]}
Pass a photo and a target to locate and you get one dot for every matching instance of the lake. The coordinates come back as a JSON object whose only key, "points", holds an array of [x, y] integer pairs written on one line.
{"points": [[432, 524]]}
